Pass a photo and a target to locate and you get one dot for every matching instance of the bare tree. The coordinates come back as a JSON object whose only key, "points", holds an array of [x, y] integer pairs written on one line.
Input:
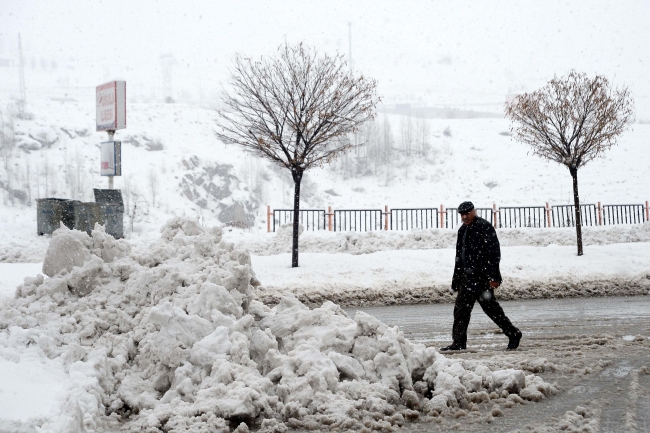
{"points": [[387, 144], [136, 206], [295, 109], [7, 137], [256, 177], [152, 183], [28, 180], [7, 145], [572, 120], [422, 133], [77, 176], [47, 173], [406, 133]]}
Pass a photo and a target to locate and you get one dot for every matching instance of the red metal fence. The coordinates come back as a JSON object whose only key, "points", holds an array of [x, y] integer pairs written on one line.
{"points": [[448, 218]]}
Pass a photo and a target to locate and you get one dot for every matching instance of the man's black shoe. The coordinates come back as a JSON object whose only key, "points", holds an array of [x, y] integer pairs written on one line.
{"points": [[514, 340], [451, 347]]}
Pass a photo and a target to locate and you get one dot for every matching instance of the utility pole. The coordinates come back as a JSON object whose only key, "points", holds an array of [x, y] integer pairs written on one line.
{"points": [[21, 70], [350, 43]]}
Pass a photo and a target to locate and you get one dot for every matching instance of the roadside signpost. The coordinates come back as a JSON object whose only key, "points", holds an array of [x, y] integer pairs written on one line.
{"points": [[111, 160], [111, 116]]}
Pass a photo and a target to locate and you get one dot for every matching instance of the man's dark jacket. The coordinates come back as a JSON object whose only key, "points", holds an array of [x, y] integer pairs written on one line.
{"points": [[477, 256]]}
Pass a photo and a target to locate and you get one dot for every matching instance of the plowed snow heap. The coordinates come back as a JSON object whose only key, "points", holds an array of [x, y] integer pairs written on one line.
{"points": [[170, 339]]}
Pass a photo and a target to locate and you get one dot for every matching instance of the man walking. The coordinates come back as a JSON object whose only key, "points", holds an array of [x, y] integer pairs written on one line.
{"points": [[476, 275]]}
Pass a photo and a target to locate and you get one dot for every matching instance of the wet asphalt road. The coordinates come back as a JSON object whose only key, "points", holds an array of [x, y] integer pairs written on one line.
{"points": [[593, 349], [538, 319]]}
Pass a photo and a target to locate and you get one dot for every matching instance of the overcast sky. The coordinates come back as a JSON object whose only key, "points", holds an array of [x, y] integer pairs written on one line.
{"points": [[433, 51]]}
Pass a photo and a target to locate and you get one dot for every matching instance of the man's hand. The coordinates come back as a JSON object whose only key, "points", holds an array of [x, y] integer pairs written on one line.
{"points": [[494, 284]]}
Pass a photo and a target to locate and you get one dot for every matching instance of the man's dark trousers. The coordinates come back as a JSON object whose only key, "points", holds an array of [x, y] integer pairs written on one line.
{"points": [[463, 311]]}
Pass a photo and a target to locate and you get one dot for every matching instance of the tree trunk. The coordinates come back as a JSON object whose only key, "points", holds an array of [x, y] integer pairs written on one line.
{"points": [[576, 202], [296, 173]]}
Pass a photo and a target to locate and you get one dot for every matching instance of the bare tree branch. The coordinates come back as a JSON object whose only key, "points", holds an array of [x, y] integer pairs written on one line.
{"points": [[572, 120], [296, 109]]}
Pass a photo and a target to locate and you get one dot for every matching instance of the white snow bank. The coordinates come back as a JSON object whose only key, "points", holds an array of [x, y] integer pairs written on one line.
{"points": [[20, 243], [371, 242], [417, 276], [31, 384], [170, 339], [24, 246], [12, 275]]}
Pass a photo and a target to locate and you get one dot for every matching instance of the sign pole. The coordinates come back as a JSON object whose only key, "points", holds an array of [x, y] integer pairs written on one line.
{"points": [[111, 116], [111, 135]]}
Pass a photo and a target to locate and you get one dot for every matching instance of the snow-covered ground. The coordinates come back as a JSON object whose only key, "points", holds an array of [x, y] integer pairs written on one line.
{"points": [[13, 275], [171, 338], [80, 352], [424, 276], [174, 336], [209, 329], [413, 267]]}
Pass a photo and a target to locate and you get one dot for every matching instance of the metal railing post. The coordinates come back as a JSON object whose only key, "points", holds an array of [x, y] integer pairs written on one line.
{"points": [[647, 211], [268, 219], [329, 218], [548, 216], [442, 211], [386, 219], [600, 215], [494, 215]]}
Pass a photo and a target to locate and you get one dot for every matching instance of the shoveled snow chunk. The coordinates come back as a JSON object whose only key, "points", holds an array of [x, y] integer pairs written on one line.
{"points": [[368, 325], [349, 367], [137, 393], [67, 249], [438, 403], [510, 380], [212, 297], [86, 278], [178, 332], [212, 347]]}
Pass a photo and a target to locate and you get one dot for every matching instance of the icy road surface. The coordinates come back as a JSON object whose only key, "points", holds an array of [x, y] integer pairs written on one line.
{"points": [[594, 348]]}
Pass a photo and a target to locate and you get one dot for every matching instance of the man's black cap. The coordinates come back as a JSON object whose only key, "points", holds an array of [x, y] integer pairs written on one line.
{"points": [[465, 206]]}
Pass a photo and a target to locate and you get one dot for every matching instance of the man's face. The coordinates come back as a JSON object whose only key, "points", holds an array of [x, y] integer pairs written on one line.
{"points": [[468, 217]]}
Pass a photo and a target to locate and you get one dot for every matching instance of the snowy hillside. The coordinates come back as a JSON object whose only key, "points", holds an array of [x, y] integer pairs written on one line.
{"points": [[173, 165]]}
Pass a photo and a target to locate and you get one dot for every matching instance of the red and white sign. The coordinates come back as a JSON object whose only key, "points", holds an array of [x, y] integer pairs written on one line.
{"points": [[111, 158], [111, 106]]}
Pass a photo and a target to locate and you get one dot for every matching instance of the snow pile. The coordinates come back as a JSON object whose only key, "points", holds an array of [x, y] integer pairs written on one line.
{"points": [[372, 242], [22, 246], [170, 339]]}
